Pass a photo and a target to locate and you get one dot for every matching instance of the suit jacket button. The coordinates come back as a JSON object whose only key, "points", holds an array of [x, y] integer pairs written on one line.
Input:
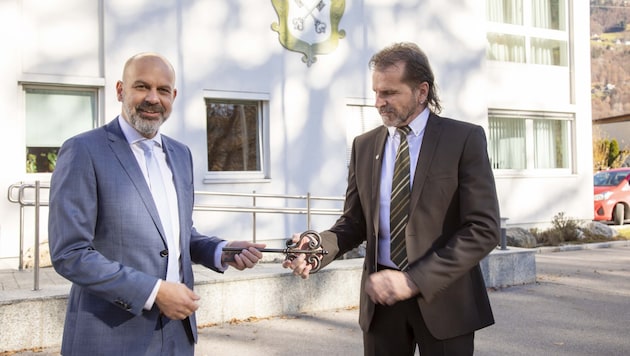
{"points": [[123, 305], [163, 253]]}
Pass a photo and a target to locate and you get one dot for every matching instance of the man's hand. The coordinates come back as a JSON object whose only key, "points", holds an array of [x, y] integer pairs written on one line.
{"points": [[389, 287], [299, 265], [176, 301], [247, 258]]}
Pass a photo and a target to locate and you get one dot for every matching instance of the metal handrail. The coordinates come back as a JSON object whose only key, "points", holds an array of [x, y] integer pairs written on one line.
{"points": [[16, 194], [255, 209], [20, 187], [24, 202]]}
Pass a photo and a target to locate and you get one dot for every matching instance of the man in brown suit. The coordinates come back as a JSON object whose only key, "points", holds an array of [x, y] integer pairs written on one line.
{"points": [[436, 297]]}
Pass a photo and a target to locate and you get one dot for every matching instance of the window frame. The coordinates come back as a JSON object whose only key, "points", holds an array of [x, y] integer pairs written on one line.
{"points": [[530, 155], [532, 34], [94, 88], [262, 102]]}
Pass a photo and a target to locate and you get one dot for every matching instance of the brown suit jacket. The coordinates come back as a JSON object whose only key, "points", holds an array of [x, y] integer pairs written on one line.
{"points": [[453, 223]]}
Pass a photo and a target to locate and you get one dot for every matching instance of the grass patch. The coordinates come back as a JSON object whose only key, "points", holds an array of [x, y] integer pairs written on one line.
{"points": [[624, 232]]}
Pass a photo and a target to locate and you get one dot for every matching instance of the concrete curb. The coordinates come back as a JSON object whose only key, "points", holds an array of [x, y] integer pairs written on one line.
{"points": [[576, 247]]}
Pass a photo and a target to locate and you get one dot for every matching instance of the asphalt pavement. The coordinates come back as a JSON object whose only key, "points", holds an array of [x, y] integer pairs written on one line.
{"points": [[580, 305]]}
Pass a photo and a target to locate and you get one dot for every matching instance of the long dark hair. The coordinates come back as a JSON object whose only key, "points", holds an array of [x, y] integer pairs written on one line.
{"points": [[417, 68]]}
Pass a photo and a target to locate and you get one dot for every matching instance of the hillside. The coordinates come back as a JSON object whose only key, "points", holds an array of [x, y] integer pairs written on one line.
{"points": [[610, 58]]}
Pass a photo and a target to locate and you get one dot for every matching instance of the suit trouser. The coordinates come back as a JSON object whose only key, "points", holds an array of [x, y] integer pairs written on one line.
{"points": [[171, 338], [397, 329]]}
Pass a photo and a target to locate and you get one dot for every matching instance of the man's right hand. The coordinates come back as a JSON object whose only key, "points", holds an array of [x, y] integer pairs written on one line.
{"points": [[176, 301], [299, 265]]}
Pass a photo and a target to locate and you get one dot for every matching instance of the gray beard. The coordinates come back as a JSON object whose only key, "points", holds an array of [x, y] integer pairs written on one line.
{"points": [[147, 128]]}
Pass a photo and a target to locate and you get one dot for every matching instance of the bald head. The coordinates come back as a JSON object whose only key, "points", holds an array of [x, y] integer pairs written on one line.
{"points": [[147, 91], [148, 58]]}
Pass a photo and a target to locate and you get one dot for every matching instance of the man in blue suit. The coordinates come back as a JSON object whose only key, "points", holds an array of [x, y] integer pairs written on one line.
{"points": [[111, 235]]}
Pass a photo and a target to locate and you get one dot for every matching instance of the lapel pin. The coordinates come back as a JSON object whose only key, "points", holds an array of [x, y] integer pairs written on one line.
{"points": [[376, 157]]}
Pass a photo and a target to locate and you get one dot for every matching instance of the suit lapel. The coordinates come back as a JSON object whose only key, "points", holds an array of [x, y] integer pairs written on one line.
{"points": [[427, 151], [119, 145], [377, 164]]}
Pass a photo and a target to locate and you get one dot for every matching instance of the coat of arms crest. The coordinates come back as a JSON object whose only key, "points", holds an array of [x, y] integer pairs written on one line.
{"points": [[309, 26]]}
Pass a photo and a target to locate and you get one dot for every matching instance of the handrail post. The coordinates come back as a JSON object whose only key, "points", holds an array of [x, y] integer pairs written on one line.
{"points": [[19, 200], [254, 216], [36, 246], [21, 256], [308, 210]]}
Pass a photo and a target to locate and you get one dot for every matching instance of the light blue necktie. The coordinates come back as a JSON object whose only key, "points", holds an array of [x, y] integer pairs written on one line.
{"points": [[158, 191]]}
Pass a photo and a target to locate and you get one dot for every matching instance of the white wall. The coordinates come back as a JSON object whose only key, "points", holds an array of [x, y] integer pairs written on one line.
{"points": [[229, 45], [533, 198]]}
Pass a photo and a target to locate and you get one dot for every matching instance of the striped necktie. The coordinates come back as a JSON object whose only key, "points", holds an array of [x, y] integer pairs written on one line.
{"points": [[399, 207], [158, 190]]}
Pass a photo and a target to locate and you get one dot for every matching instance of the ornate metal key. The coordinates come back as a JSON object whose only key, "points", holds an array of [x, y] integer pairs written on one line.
{"points": [[311, 243]]}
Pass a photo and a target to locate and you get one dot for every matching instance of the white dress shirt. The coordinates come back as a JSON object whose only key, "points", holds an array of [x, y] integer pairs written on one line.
{"points": [[134, 138], [387, 172]]}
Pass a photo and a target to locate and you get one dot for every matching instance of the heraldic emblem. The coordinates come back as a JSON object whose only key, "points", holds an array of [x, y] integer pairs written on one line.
{"points": [[309, 26]]}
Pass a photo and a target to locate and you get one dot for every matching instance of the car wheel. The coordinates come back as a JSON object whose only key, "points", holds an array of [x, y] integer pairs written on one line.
{"points": [[619, 214]]}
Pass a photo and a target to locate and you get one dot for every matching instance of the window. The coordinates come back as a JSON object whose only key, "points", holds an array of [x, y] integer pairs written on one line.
{"points": [[527, 31], [53, 114], [235, 132], [506, 48], [529, 140], [505, 11], [549, 14]]}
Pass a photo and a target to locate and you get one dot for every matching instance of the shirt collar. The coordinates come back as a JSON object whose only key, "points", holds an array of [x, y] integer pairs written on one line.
{"points": [[417, 124], [134, 136]]}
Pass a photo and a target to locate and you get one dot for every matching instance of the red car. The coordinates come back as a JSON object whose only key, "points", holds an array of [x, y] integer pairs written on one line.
{"points": [[612, 195]]}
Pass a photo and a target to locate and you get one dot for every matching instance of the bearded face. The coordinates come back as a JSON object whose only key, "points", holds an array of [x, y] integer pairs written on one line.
{"points": [[147, 93], [399, 113], [397, 102]]}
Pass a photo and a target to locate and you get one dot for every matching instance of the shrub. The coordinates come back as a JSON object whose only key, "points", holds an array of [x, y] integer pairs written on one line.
{"points": [[563, 229], [613, 152], [567, 230], [607, 153]]}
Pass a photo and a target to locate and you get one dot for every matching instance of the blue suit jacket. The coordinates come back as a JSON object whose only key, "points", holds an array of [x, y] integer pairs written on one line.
{"points": [[106, 238]]}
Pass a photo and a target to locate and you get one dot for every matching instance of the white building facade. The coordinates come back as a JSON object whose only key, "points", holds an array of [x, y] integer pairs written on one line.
{"points": [[272, 92]]}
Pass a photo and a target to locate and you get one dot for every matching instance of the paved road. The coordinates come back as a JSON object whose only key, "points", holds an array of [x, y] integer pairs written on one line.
{"points": [[580, 305]]}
